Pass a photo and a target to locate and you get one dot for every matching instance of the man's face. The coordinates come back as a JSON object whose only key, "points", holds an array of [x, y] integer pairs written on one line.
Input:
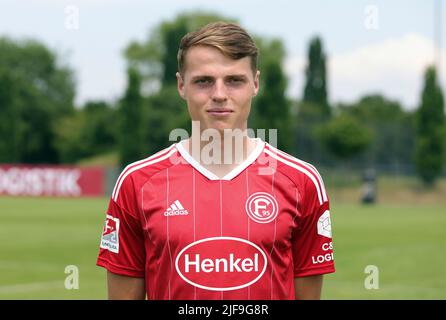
{"points": [[218, 90]]}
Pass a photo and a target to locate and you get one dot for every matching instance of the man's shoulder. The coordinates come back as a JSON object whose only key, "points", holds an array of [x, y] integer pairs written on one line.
{"points": [[138, 172], [151, 164], [289, 164], [301, 173]]}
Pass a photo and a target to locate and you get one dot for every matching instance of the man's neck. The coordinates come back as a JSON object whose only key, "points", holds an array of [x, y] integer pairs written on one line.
{"points": [[220, 156]]}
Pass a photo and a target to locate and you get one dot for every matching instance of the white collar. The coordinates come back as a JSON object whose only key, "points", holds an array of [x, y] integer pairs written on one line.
{"points": [[230, 175]]}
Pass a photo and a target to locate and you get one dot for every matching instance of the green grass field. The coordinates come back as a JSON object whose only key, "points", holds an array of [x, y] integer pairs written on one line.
{"points": [[39, 237]]}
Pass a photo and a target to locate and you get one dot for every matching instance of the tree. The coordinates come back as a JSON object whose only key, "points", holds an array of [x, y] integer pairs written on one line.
{"points": [[163, 112], [88, 131], [156, 58], [99, 131], [70, 138], [393, 132], [171, 36], [313, 109], [344, 136], [271, 109], [42, 92], [430, 124], [315, 91], [131, 126], [9, 120]]}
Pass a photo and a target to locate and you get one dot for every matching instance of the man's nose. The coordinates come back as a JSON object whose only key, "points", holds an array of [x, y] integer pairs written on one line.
{"points": [[219, 93]]}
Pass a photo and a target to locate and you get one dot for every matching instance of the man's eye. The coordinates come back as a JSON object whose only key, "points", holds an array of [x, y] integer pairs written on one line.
{"points": [[202, 81], [236, 80]]}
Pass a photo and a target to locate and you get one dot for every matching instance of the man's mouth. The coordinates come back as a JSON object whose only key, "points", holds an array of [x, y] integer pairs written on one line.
{"points": [[219, 111]]}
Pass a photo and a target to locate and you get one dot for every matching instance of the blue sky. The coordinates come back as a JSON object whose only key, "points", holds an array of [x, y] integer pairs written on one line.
{"points": [[372, 46]]}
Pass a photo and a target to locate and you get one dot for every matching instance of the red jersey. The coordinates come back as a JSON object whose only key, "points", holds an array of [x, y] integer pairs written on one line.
{"points": [[192, 235]]}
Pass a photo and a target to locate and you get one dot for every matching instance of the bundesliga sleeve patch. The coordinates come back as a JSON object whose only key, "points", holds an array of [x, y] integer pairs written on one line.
{"points": [[110, 234]]}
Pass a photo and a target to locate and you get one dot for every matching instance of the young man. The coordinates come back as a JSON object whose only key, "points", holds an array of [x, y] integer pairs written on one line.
{"points": [[180, 226]]}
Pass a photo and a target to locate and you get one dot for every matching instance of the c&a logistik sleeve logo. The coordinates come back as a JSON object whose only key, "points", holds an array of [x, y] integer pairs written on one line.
{"points": [[110, 234], [221, 263], [324, 225]]}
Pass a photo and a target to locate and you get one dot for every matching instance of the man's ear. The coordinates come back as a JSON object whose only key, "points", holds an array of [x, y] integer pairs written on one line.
{"points": [[180, 85], [256, 83]]}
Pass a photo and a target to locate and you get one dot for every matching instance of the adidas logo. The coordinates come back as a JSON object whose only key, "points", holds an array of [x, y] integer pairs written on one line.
{"points": [[176, 209]]}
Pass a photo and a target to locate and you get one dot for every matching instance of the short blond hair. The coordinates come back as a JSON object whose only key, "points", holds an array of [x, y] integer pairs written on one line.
{"points": [[232, 40]]}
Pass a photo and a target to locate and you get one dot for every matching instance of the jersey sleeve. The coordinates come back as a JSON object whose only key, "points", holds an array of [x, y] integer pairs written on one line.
{"points": [[122, 249], [312, 243]]}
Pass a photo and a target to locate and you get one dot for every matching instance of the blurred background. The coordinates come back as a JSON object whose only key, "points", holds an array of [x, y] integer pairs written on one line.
{"points": [[353, 87]]}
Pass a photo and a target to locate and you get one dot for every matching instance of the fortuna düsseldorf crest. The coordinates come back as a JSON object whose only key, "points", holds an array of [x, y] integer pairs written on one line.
{"points": [[262, 207]]}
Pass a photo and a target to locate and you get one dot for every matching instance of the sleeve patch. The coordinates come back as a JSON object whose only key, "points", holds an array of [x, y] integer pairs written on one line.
{"points": [[324, 225], [110, 234]]}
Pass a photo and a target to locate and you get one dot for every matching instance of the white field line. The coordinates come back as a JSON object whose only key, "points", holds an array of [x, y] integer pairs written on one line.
{"points": [[29, 287]]}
